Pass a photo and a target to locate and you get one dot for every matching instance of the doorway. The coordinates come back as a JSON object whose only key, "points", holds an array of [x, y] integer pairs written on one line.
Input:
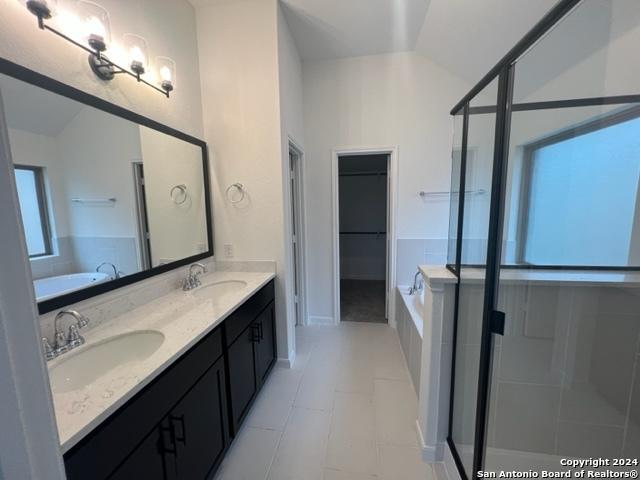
{"points": [[144, 237], [363, 220], [297, 232]]}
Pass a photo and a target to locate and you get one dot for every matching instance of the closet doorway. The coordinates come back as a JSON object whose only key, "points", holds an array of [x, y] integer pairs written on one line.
{"points": [[363, 225]]}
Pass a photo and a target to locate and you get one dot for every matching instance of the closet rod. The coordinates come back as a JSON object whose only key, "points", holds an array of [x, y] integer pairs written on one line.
{"points": [[362, 174], [363, 233]]}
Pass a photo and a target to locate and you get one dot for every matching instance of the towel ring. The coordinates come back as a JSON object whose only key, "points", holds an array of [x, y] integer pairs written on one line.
{"points": [[183, 191], [240, 188]]}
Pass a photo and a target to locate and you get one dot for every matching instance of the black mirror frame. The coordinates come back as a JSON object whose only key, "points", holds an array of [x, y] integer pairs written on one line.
{"points": [[37, 79]]}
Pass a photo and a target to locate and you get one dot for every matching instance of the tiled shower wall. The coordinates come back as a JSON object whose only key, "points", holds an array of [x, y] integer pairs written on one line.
{"points": [[412, 252], [566, 374]]}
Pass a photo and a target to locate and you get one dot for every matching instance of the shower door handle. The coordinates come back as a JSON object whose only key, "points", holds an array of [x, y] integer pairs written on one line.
{"points": [[497, 320]]}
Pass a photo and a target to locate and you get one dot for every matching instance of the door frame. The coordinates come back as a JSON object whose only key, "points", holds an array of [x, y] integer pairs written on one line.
{"points": [[301, 260], [392, 200]]}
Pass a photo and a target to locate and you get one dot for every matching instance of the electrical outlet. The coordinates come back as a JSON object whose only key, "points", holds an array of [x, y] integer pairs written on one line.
{"points": [[228, 250]]}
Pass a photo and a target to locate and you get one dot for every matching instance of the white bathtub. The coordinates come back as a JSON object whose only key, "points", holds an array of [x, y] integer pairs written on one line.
{"points": [[51, 287], [409, 321]]}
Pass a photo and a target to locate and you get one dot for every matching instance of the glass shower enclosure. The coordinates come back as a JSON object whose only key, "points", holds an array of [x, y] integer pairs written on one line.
{"points": [[544, 239]]}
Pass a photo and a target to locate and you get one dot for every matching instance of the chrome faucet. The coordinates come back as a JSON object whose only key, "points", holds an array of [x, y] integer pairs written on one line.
{"points": [[417, 283], [193, 278], [116, 273], [64, 343]]}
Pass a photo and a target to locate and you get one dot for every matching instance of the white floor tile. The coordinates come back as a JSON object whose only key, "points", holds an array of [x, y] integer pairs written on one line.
{"points": [[300, 455], [252, 443], [330, 474], [403, 463], [318, 385], [396, 409], [273, 405], [351, 446]]}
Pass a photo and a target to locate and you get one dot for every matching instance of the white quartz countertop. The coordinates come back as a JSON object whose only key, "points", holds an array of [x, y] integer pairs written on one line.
{"points": [[183, 318], [594, 278]]}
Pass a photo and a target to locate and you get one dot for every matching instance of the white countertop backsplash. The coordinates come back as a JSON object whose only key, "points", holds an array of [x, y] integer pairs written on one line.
{"points": [[157, 304]]}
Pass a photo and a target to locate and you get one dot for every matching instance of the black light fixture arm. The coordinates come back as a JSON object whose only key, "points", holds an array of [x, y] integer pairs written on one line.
{"points": [[102, 66]]}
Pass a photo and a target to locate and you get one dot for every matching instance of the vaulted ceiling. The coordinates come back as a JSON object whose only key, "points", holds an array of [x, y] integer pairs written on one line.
{"points": [[325, 29], [468, 37], [465, 36]]}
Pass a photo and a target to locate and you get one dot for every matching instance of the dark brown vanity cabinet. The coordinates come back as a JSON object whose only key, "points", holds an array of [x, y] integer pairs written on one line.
{"points": [[178, 427], [266, 342], [190, 441], [251, 356]]}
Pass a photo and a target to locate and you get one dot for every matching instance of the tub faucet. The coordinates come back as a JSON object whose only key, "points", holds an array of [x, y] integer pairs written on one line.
{"points": [[417, 283], [116, 273], [193, 279], [64, 343]]}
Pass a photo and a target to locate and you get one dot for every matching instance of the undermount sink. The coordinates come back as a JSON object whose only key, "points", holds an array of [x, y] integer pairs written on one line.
{"points": [[79, 368], [220, 289]]}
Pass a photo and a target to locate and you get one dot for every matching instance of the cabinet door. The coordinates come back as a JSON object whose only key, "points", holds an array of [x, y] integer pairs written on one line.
{"points": [[148, 460], [266, 347], [242, 379], [199, 426]]}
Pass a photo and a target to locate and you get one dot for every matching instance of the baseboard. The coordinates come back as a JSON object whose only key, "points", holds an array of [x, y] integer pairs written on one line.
{"points": [[319, 320], [430, 453], [287, 362]]}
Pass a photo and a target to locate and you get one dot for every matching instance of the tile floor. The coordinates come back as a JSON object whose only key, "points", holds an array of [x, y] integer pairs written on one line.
{"points": [[346, 411]]}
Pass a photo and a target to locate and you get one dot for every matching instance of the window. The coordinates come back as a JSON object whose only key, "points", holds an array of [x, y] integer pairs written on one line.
{"points": [[580, 200], [33, 205]]}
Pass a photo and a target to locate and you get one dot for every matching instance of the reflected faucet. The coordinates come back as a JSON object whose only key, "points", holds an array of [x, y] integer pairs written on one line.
{"points": [[193, 279], [417, 283], [64, 343], [116, 273]]}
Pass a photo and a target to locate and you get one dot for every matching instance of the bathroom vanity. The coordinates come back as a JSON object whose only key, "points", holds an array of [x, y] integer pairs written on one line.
{"points": [[116, 210], [172, 414]]}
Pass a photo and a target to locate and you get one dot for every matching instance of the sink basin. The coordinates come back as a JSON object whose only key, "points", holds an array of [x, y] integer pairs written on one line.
{"points": [[220, 289], [79, 368]]}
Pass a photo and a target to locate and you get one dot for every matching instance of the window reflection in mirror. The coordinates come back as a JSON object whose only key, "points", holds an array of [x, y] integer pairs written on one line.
{"points": [[101, 197]]}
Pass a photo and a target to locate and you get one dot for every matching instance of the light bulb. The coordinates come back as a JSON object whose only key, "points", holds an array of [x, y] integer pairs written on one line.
{"points": [[167, 71], [97, 28], [138, 53], [165, 74]]}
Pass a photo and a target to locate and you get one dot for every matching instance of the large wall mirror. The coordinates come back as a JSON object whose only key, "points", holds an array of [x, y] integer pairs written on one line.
{"points": [[107, 197]]}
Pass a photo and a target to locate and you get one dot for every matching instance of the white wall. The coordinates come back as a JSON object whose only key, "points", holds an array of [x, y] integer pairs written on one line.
{"points": [[238, 45], [291, 130], [398, 99], [95, 166]]}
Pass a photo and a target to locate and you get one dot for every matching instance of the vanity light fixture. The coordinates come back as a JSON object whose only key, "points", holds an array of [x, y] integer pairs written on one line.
{"points": [[95, 39]]}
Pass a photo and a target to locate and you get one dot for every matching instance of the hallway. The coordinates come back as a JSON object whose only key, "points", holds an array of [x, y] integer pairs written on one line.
{"points": [[346, 411]]}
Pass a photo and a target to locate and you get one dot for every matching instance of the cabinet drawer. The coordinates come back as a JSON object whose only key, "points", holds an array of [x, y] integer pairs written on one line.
{"points": [[239, 320], [111, 442]]}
